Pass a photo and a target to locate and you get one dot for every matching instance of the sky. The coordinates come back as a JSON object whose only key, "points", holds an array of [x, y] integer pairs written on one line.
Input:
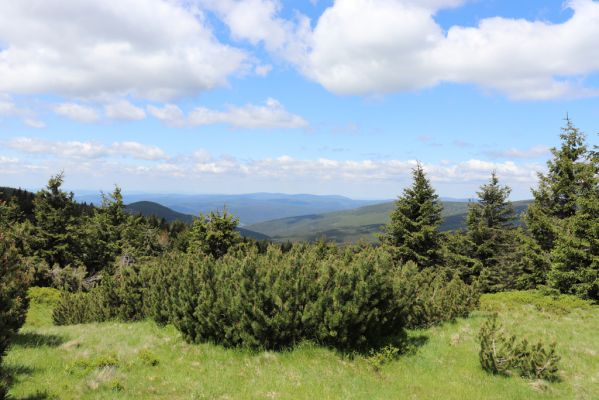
{"points": [[306, 96]]}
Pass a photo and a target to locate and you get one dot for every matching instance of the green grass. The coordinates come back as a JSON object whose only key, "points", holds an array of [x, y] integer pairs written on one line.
{"points": [[144, 361], [353, 225]]}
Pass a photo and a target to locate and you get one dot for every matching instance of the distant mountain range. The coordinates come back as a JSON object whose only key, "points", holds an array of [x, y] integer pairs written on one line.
{"points": [[249, 208], [358, 224], [148, 208], [362, 223]]}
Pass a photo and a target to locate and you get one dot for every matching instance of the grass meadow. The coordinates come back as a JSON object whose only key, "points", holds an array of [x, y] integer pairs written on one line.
{"points": [[145, 361]]}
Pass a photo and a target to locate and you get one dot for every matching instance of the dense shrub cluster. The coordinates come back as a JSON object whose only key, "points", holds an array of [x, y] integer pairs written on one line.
{"points": [[436, 296], [348, 298], [501, 354], [14, 281]]}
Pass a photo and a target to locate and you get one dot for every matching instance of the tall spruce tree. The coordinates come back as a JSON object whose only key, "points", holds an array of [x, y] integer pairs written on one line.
{"points": [[101, 233], [55, 224], [563, 217], [490, 223], [558, 190], [413, 231], [575, 255]]}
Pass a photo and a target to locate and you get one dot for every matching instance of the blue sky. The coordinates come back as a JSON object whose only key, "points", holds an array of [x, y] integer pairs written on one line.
{"points": [[324, 97]]}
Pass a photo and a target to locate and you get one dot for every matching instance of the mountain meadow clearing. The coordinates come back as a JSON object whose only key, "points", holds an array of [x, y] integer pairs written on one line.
{"points": [[142, 360]]}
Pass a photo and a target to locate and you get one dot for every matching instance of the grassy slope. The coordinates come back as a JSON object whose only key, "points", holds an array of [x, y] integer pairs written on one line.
{"points": [[66, 362], [358, 224]]}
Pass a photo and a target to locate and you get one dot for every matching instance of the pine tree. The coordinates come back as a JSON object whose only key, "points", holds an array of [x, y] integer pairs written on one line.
{"points": [[413, 231], [214, 234], [490, 223]]}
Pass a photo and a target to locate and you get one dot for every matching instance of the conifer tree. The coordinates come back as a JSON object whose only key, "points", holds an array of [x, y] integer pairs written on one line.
{"points": [[490, 223], [102, 232], [563, 216], [575, 255], [413, 231], [55, 223], [558, 190], [214, 234], [14, 280]]}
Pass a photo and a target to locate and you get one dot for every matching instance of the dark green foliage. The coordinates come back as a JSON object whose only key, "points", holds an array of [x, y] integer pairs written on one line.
{"points": [[277, 299], [14, 281], [55, 221], [75, 308], [435, 297], [490, 223], [564, 218], [576, 253], [413, 232], [118, 297], [459, 256], [351, 298], [214, 234], [556, 196], [501, 354]]}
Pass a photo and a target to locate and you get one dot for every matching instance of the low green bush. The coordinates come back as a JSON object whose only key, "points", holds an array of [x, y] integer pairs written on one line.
{"points": [[44, 295], [436, 297], [503, 354], [351, 298]]}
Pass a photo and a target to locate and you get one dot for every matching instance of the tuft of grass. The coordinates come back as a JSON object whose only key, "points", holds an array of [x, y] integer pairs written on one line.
{"points": [[109, 361]]}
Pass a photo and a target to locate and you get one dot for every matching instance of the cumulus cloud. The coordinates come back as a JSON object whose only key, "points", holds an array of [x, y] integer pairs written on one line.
{"points": [[85, 150], [9, 109], [381, 46], [257, 21], [124, 110], [77, 112], [250, 116], [151, 49]]}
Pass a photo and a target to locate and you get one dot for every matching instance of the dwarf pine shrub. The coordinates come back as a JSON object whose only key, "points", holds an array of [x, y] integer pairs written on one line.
{"points": [[350, 298], [502, 354]]}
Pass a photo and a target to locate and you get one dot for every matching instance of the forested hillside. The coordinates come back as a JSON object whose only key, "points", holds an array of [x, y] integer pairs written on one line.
{"points": [[363, 223]]}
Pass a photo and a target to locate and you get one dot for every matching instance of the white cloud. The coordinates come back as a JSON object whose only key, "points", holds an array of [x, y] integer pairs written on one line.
{"points": [[137, 150], [9, 109], [85, 150], [77, 112], [270, 115], [381, 46], [135, 164], [155, 49], [124, 110], [257, 21], [170, 114], [533, 152]]}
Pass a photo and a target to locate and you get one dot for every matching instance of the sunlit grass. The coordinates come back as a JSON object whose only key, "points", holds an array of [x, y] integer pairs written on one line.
{"points": [[142, 360]]}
